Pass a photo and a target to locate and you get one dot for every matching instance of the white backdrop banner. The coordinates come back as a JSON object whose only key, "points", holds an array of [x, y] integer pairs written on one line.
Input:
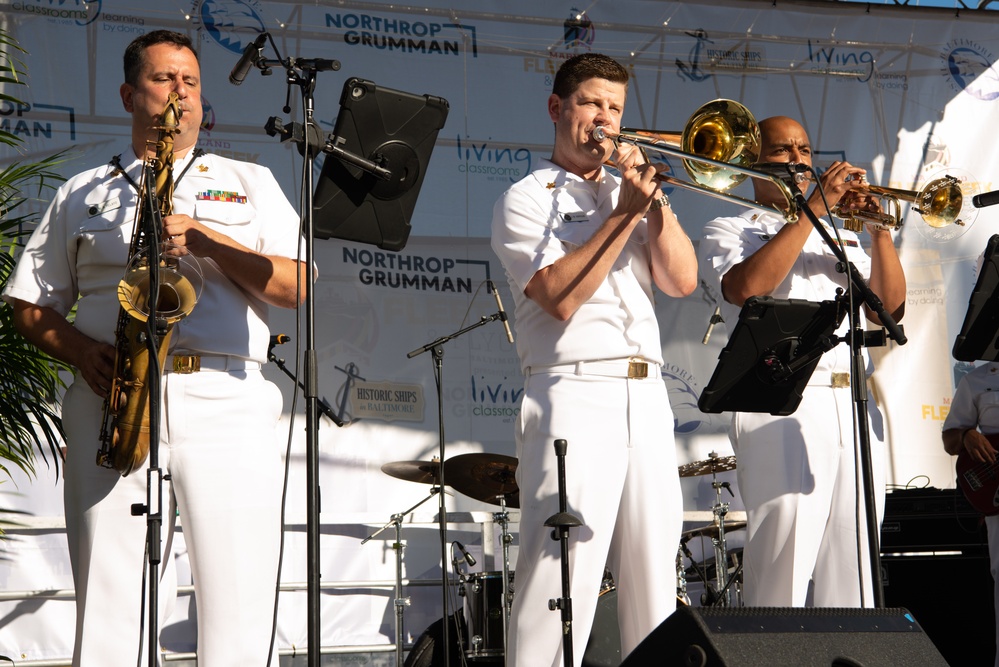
{"points": [[908, 94]]}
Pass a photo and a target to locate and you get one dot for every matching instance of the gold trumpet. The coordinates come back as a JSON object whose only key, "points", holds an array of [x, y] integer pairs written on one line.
{"points": [[718, 145], [939, 203]]}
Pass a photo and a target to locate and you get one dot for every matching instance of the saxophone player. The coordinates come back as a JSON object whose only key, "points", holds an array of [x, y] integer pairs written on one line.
{"points": [[219, 444]]}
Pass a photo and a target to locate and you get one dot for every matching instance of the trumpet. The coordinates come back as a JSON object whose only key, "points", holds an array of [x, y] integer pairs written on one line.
{"points": [[718, 146], [940, 203]]}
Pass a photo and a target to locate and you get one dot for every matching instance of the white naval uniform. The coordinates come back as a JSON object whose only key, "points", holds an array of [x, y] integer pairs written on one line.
{"points": [[798, 475], [976, 404], [621, 471], [219, 441]]}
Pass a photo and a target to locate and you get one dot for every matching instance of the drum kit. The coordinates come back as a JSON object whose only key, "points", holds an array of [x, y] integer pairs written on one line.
{"points": [[487, 596], [722, 585], [490, 478]]}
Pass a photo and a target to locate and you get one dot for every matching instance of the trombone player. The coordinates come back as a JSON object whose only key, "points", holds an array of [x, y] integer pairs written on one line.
{"points": [[799, 474]]}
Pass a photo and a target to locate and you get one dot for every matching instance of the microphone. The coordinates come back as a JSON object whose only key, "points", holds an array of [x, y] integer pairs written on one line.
{"points": [[279, 339], [793, 170], [987, 199], [249, 58], [468, 556], [499, 305], [715, 319]]}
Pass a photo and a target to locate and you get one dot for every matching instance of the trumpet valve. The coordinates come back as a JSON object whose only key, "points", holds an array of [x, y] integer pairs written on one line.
{"points": [[853, 224]]}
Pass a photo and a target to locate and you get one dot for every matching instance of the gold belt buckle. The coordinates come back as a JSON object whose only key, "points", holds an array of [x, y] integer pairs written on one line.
{"points": [[637, 370], [840, 380], [186, 363]]}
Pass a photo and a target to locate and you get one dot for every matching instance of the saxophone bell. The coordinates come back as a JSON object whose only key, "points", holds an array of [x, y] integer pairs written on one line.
{"points": [[180, 283]]}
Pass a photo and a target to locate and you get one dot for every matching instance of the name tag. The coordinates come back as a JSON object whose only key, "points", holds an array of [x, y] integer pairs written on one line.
{"points": [[95, 210], [575, 217]]}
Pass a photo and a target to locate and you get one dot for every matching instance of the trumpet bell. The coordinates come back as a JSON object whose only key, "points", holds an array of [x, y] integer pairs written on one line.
{"points": [[724, 131], [940, 202]]}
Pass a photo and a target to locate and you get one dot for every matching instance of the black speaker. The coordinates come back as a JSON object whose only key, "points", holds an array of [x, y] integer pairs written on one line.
{"points": [[786, 637]]}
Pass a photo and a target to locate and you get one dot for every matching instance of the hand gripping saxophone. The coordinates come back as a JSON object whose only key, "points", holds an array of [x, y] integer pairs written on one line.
{"points": [[125, 429]]}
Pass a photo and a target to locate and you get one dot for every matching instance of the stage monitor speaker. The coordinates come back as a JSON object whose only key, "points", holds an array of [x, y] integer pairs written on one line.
{"points": [[786, 637]]}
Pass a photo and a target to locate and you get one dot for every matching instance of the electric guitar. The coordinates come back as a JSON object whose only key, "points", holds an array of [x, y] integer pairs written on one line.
{"points": [[980, 481]]}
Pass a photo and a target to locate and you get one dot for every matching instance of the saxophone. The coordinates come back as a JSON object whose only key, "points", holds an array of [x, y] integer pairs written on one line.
{"points": [[125, 428]]}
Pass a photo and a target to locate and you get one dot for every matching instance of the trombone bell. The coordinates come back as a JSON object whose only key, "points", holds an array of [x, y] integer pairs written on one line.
{"points": [[718, 147]]}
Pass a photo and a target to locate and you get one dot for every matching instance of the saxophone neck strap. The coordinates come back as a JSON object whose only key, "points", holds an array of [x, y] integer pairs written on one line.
{"points": [[116, 163]]}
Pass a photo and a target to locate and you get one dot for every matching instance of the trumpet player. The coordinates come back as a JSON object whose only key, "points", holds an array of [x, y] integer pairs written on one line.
{"points": [[799, 474], [218, 439]]}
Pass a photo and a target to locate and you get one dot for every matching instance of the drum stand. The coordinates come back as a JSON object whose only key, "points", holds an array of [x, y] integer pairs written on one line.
{"points": [[720, 511], [400, 602], [503, 519]]}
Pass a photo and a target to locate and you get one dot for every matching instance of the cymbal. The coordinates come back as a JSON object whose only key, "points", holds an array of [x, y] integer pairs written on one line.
{"points": [[484, 477], [424, 472], [711, 530], [711, 466]]}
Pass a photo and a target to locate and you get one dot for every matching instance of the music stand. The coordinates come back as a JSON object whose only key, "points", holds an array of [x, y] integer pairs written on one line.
{"points": [[393, 129], [979, 337], [770, 355]]}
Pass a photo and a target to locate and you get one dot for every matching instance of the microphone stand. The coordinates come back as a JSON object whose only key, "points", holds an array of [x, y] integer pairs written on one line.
{"points": [[438, 359], [857, 340], [322, 404], [302, 72], [562, 522], [153, 507]]}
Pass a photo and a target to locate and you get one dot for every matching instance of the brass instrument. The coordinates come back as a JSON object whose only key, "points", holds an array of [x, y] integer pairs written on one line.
{"points": [[718, 146], [125, 428], [940, 203]]}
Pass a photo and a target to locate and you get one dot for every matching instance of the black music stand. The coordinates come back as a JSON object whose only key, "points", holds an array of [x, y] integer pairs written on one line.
{"points": [[979, 337], [394, 130], [771, 354]]}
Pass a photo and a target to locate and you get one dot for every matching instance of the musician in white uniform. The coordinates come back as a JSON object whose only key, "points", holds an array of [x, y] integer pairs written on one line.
{"points": [[974, 413], [219, 441], [582, 249], [798, 475]]}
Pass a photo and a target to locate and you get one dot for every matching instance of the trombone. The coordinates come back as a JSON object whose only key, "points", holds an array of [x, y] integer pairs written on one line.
{"points": [[719, 142], [939, 203]]}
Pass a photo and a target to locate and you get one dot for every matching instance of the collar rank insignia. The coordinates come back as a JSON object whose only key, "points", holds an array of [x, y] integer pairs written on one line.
{"points": [[203, 168]]}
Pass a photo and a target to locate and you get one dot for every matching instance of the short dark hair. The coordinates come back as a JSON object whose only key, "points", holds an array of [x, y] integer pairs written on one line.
{"points": [[579, 68], [136, 51]]}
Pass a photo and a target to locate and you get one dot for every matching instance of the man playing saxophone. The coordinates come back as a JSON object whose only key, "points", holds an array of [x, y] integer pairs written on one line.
{"points": [[219, 445], [798, 475]]}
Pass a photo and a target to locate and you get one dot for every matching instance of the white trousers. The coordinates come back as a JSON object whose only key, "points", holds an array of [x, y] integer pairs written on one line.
{"points": [[220, 446], [622, 482], [802, 488]]}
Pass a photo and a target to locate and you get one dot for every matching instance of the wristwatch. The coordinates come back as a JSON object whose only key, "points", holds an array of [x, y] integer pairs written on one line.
{"points": [[659, 203]]}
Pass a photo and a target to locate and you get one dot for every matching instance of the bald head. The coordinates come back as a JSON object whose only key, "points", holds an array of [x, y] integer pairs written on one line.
{"points": [[782, 139]]}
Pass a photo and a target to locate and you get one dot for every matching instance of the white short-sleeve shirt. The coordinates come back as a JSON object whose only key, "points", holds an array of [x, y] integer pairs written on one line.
{"points": [[78, 252], [731, 240], [546, 216]]}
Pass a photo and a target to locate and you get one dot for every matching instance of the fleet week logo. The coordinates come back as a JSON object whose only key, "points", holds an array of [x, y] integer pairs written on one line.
{"points": [[395, 34], [232, 24], [968, 66]]}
